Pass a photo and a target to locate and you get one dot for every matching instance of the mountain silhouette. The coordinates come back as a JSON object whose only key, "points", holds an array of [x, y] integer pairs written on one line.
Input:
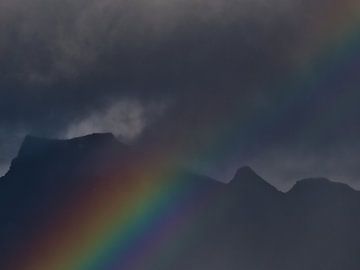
{"points": [[246, 181], [244, 224], [45, 154]]}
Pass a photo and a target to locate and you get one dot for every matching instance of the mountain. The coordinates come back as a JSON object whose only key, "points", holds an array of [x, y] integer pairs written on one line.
{"points": [[45, 174], [244, 224], [50, 154], [247, 183]]}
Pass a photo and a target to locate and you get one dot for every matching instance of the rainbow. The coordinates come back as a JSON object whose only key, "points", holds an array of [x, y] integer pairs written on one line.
{"points": [[125, 224], [129, 223], [327, 56]]}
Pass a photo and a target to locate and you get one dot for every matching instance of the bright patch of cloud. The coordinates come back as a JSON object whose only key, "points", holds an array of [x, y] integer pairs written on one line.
{"points": [[126, 119]]}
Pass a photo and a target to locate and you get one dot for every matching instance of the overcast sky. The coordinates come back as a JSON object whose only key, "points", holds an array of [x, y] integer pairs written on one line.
{"points": [[267, 83]]}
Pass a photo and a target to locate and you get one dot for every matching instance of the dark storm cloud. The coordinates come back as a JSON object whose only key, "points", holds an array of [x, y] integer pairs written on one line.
{"points": [[139, 68], [63, 38]]}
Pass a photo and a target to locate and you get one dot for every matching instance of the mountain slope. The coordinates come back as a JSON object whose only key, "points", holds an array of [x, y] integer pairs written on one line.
{"points": [[245, 224]]}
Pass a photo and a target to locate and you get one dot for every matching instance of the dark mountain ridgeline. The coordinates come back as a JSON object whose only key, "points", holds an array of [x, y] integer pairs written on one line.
{"points": [[245, 224]]}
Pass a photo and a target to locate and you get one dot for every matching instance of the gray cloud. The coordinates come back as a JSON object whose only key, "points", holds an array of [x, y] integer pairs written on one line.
{"points": [[73, 67], [283, 166], [57, 39], [126, 118]]}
